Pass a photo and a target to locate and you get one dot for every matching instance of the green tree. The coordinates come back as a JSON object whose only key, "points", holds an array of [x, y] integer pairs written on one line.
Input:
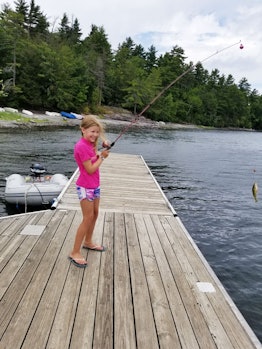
{"points": [[210, 106], [119, 74], [151, 58], [59, 79], [69, 33], [97, 52], [255, 107], [135, 89], [34, 21], [13, 33]]}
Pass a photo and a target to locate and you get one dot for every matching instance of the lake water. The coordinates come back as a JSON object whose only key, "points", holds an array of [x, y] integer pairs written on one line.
{"points": [[206, 175]]}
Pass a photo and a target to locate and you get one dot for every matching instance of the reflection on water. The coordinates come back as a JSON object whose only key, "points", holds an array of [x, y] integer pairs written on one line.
{"points": [[206, 175]]}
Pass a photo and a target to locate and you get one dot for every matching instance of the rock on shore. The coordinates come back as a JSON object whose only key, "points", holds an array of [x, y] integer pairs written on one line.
{"points": [[114, 119]]}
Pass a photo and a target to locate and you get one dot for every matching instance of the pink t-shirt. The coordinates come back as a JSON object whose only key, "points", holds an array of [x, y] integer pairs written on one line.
{"points": [[83, 151]]}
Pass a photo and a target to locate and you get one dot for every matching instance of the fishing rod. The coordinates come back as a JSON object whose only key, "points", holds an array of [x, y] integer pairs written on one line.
{"points": [[125, 129]]}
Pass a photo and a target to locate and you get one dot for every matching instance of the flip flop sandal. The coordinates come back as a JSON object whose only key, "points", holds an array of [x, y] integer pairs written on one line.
{"points": [[95, 248], [79, 265]]}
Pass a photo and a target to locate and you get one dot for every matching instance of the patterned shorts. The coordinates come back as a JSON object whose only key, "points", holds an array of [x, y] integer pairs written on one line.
{"points": [[89, 194]]}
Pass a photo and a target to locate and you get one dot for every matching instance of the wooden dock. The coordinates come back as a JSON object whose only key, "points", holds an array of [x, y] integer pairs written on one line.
{"points": [[152, 288]]}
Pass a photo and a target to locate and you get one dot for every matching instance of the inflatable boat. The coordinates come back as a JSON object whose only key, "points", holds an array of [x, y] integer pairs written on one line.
{"points": [[35, 189]]}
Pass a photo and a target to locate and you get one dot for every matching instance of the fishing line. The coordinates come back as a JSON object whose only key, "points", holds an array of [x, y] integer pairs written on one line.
{"points": [[136, 119]]}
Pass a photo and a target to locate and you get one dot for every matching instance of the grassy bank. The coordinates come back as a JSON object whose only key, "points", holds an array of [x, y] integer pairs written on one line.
{"points": [[17, 117]]}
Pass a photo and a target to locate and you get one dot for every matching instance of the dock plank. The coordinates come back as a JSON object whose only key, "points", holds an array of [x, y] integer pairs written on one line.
{"points": [[195, 272], [165, 325], [178, 269], [124, 322], [84, 322], [103, 331], [50, 296], [21, 299], [226, 316], [141, 293], [9, 231], [144, 319]]}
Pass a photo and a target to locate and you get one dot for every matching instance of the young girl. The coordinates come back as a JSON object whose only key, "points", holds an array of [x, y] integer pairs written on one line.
{"points": [[88, 186]]}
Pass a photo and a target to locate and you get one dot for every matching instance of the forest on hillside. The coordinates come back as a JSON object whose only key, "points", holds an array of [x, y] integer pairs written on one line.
{"points": [[42, 68]]}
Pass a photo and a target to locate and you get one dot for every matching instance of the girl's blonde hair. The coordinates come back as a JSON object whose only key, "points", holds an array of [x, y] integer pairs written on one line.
{"points": [[91, 120]]}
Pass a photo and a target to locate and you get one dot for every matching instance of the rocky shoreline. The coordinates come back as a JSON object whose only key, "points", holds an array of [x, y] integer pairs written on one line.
{"points": [[38, 119]]}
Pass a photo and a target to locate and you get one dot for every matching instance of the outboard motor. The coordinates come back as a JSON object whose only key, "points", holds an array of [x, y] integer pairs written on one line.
{"points": [[37, 170]]}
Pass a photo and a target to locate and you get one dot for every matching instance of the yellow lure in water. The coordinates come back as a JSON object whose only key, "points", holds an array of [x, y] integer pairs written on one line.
{"points": [[255, 190]]}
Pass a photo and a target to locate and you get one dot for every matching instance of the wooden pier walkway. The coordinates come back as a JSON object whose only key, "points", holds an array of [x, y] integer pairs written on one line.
{"points": [[152, 288]]}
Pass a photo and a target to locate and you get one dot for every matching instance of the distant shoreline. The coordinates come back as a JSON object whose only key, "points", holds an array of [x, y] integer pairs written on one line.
{"points": [[113, 120]]}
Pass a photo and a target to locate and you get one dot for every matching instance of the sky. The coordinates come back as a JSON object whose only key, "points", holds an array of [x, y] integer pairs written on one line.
{"points": [[209, 31]]}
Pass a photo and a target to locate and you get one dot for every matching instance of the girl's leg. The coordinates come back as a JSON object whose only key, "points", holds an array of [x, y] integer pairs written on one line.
{"points": [[91, 225], [88, 213]]}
